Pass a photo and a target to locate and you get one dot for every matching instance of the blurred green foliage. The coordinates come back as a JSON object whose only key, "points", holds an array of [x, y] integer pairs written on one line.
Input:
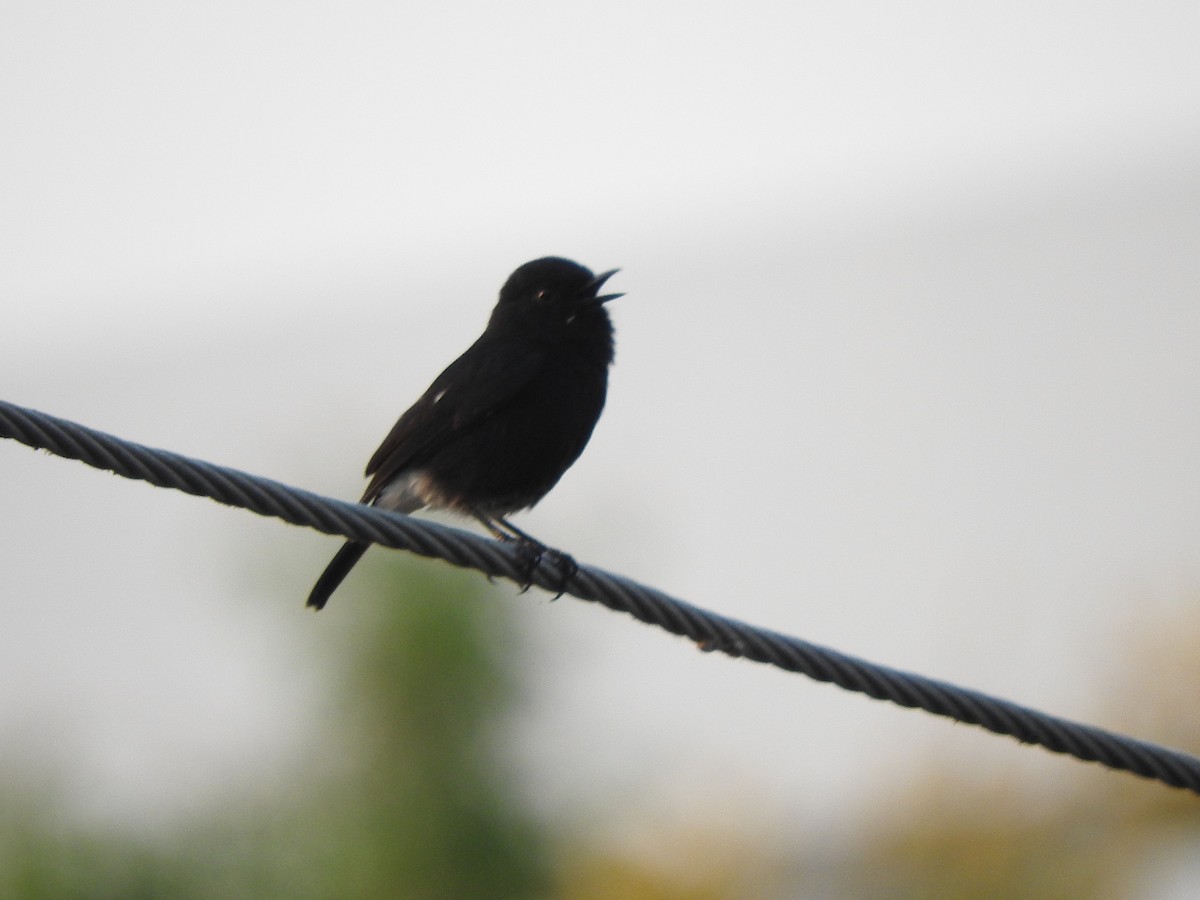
{"points": [[411, 794], [415, 800]]}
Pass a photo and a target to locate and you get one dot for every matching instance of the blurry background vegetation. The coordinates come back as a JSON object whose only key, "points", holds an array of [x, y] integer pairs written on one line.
{"points": [[416, 795]]}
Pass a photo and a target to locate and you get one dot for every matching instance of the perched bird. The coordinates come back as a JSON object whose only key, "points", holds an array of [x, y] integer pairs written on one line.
{"points": [[499, 427]]}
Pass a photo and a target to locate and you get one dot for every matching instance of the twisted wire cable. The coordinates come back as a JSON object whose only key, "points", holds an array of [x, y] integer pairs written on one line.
{"points": [[712, 632]]}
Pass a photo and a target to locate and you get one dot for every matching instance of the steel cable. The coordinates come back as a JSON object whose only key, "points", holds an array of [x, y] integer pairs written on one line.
{"points": [[710, 631]]}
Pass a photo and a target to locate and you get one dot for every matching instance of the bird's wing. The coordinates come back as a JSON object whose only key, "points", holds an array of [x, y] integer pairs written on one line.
{"points": [[486, 377]]}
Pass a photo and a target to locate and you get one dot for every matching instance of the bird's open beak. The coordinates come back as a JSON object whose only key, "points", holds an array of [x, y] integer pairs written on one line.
{"points": [[598, 282]]}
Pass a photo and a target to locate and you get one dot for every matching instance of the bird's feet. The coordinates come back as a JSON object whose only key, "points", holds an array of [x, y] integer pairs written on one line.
{"points": [[531, 555]]}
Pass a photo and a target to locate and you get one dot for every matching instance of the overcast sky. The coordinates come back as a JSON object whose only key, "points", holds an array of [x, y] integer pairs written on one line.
{"points": [[908, 362]]}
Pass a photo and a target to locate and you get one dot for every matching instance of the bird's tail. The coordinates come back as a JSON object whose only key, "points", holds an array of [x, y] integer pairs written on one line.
{"points": [[339, 567]]}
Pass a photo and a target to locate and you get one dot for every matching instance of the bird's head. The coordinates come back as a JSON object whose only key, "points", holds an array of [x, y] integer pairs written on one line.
{"points": [[556, 292]]}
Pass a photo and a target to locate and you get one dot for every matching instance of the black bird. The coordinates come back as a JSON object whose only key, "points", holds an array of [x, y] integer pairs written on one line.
{"points": [[498, 428]]}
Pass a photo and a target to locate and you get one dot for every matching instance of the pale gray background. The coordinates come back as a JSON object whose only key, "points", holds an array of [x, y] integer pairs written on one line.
{"points": [[908, 365]]}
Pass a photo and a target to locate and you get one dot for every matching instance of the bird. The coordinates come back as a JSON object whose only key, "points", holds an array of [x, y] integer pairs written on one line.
{"points": [[499, 427]]}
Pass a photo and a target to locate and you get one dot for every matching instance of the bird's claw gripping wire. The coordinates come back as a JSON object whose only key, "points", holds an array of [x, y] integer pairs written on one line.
{"points": [[531, 552]]}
